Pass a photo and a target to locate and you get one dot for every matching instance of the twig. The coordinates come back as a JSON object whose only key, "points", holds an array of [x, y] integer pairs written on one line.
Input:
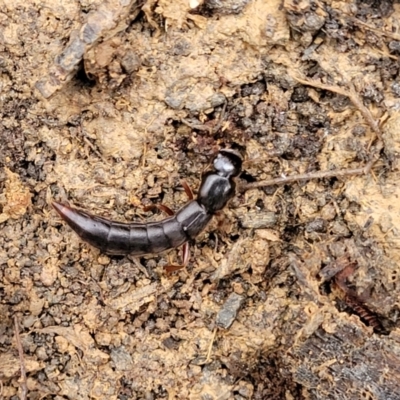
{"points": [[210, 346], [305, 177], [353, 97], [220, 119], [374, 156], [146, 134], [102, 23], [204, 127], [81, 134], [200, 127], [24, 386], [379, 32]]}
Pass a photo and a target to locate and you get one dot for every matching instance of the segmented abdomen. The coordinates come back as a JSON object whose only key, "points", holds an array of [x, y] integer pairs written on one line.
{"points": [[113, 237]]}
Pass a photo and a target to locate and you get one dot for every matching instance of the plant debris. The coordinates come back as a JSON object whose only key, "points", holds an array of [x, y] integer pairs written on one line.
{"points": [[109, 105]]}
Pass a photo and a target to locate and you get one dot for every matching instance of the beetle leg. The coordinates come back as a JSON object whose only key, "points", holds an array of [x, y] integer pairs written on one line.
{"points": [[185, 259], [185, 254], [188, 191], [165, 208], [160, 207]]}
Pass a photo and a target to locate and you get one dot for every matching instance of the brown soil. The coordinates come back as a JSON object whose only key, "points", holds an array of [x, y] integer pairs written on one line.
{"points": [[107, 105]]}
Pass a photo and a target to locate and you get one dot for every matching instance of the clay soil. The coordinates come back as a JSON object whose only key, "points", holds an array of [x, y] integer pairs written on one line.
{"points": [[292, 292]]}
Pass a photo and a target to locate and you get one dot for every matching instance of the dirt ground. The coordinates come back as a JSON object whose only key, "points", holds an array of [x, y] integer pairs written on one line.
{"points": [[293, 291]]}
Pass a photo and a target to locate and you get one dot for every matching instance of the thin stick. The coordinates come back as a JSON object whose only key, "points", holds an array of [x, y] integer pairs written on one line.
{"points": [[204, 127], [374, 156], [353, 97], [210, 346], [305, 177], [24, 386], [221, 118], [379, 32], [200, 127]]}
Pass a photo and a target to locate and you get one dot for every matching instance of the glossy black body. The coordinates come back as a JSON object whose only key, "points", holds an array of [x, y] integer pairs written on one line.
{"points": [[111, 237]]}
